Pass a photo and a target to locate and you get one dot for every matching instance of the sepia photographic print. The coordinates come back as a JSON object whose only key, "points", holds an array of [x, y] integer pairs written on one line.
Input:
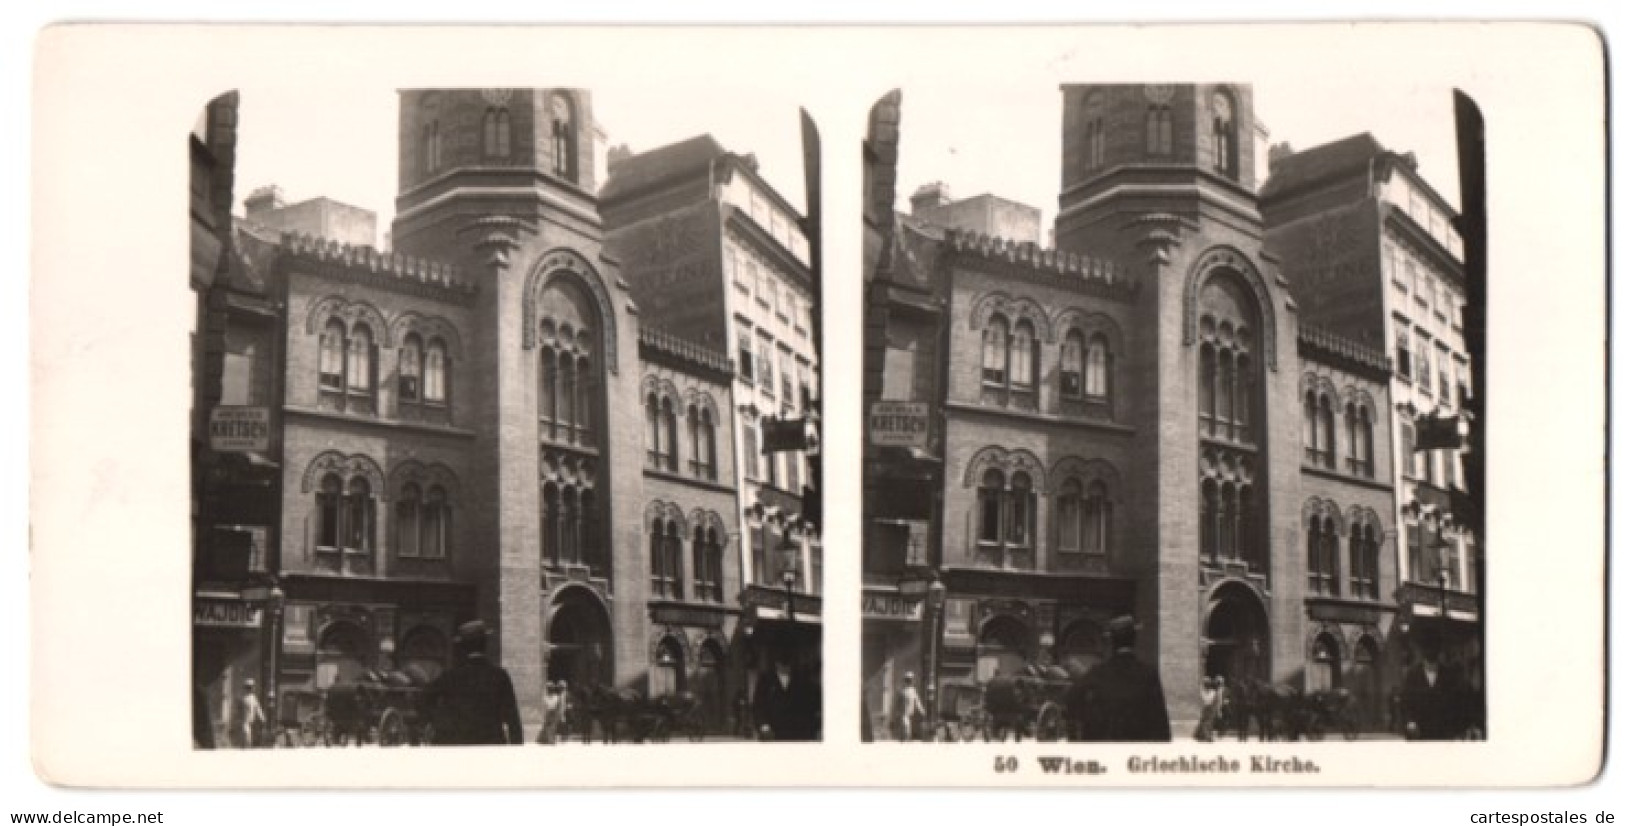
{"points": [[1196, 458], [737, 407], [531, 457]]}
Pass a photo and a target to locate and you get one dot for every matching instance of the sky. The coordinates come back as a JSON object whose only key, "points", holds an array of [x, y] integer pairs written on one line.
{"points": [[341, 142], [969, 150]]}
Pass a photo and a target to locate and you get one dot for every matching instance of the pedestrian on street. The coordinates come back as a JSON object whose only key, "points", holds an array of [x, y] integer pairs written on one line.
{"points": [[552, 714], [786, 703], [1210, 710], [250, 716], [1120, 700], [911, 712], [1435, 694], [473, 703]]}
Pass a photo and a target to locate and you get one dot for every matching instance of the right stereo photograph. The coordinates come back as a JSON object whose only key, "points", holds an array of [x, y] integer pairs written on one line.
{"points": [[1178, 438]]}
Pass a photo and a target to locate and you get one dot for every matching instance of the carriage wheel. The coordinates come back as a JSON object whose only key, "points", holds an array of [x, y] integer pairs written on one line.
{"points": [[391, 728], [1049, 725]]}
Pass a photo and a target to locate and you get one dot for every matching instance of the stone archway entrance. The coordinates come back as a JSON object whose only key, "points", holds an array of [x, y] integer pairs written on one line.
{"points": [[1238, 636], [580, 640]]}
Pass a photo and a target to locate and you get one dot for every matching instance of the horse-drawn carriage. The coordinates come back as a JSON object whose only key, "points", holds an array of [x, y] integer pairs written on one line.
{"points": [[383, 708], [624, 713], [1278, 712], [1028, 705]]}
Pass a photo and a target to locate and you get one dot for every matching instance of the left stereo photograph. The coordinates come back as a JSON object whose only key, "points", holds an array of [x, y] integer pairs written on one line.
{"points": [[505, 419]]}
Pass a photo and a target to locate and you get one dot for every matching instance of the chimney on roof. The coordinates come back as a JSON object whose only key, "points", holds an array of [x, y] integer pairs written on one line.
{"points": [[263, 200], [1279, 152], [617, 154], [934, 194]]}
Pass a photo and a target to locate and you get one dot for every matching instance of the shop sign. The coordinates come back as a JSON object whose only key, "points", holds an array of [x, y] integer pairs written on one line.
{"points": [[891, 605], [226, 613], [899, 424], [235, 429]]}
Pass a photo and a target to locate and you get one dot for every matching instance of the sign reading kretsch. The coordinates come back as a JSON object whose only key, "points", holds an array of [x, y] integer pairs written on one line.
{"points": [[226, 613], [238, 429], [899, 424], [890, 605]]}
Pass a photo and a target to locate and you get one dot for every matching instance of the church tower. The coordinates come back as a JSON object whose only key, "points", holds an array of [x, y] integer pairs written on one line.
{"points": [[1155, 148], [501, 183], [1164, 177]]}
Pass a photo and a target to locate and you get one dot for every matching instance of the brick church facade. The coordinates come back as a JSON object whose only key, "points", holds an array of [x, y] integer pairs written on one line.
{"points": [[1138, 420], [462, 428]]}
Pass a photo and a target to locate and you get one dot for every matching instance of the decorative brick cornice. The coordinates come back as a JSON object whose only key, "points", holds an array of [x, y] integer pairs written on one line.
{"points": [[364, 264], [659, 342], [1326, 347], [1085, 273]]}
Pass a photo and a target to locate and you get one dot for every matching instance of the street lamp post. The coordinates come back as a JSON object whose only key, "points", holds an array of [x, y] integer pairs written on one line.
{"points": [[787, 573], [928, 586]]}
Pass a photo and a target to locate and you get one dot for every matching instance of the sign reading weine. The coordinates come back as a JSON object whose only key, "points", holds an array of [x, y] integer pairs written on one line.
{"points": [[899, 424]]}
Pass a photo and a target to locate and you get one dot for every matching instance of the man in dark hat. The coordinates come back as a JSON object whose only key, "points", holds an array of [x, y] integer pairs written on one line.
{"points": [[787, 702], [473, 703], [1120, 699], [1433, 694]]}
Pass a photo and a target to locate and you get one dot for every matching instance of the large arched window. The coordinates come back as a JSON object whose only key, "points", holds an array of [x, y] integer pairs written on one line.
{"points": [[590, 552], [1230, 470], [564, 137], [548, 392], [1225, 150]]}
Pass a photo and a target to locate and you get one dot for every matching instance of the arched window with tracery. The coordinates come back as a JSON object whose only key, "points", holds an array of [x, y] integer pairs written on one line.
{"points": [[1097, 370], [1230, 506]]}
